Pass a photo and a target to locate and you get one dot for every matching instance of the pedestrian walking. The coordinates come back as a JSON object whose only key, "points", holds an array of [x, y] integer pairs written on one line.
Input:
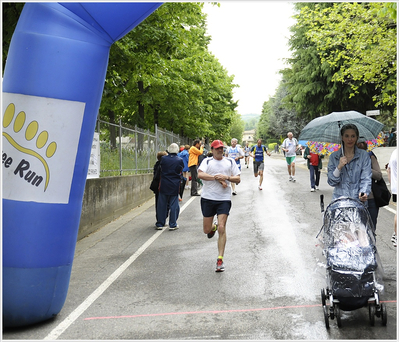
{"points": [[315, 165], [257, 153], [235, 153], [156, 178], [171, 167], [393, 180], [289, 146], [375, 174], [349, 168], [194, 152], [217, 173]]}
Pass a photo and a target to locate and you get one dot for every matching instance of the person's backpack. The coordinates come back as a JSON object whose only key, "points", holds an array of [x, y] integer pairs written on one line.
{"points": [[154, 186], [380, 192]]}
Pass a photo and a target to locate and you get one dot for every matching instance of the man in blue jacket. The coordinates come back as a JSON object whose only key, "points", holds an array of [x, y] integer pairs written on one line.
{"points": [[171, 167]]}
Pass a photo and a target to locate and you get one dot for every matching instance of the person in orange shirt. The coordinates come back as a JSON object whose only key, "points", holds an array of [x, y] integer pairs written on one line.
{"points": [[193, 153]]}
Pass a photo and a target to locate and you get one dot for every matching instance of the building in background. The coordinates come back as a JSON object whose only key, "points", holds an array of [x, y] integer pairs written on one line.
{"points": [[249, 137]]}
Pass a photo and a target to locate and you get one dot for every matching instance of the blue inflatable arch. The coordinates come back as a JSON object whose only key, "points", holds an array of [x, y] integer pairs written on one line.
{"points": [[52, 88]]}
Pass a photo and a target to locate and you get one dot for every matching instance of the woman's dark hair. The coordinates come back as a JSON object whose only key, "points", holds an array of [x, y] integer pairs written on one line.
{"points": [[349, 126]]}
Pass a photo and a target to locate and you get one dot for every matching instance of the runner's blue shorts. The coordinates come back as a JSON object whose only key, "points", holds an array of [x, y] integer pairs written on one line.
{"points": [[210, 208]]}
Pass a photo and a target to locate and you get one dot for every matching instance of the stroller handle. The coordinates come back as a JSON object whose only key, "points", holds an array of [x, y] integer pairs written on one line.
{"points": [[322, 211]]}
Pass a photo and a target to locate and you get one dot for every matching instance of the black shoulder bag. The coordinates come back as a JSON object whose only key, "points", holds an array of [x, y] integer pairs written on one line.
{"points": [[380, 192]]}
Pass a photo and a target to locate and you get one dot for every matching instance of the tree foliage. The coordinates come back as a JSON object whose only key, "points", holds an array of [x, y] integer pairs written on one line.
{"points": [[311, 91], [277, 119], [251, 123], [358, 41], [237, 128], [162, 73]]}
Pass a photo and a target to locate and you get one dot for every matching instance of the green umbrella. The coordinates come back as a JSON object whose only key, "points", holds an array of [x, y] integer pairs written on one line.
{"points": [[328, 128]]}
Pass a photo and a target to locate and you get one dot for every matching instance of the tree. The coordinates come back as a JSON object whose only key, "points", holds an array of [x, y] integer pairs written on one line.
{"points": [[251, 123], [310, 89], [358, 41], [237, 128], [162, 73], [266, 121], [277, 119]]}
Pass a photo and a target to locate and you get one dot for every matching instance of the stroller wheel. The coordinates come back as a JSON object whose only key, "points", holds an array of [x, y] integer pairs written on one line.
{"points": [[325, 310], [337, 311], [384, 316], [372, 314], [323, 297]]}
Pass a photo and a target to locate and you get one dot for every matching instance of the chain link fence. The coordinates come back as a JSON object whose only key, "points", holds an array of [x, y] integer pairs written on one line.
{"points": [[129, 151]]}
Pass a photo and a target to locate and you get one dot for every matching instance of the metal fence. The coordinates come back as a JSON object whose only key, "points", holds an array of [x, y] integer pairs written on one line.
{"points": [[127, 151]]}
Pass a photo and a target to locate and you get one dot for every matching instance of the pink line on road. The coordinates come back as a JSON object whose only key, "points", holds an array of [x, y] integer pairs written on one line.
{"points": [[213, 311], [202, 312]]}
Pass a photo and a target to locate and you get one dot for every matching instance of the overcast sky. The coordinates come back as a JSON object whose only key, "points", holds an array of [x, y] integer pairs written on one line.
{"points": [[250, 40]]}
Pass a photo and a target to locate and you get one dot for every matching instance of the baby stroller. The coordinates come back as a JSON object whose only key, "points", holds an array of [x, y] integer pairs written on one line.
{"points": [[353, 267]]}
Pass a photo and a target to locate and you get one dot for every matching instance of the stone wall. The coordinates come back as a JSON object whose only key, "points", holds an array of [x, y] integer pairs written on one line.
{"points": [[106, 199]]}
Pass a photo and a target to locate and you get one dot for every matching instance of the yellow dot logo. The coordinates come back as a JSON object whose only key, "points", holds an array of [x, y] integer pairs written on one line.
{"points": [[8, 115], [19, 122], [31, 131], [42, 139], [51, 149]]}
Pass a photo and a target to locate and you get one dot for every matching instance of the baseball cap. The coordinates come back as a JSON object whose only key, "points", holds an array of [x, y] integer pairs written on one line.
{"points": [[216, 144]]}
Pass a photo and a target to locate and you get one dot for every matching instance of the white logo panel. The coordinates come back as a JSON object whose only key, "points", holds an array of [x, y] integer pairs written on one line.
{"points": [[40, 143]]}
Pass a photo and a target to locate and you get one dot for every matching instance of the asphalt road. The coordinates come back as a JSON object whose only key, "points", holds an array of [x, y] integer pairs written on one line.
{"points": [[132, 282]]}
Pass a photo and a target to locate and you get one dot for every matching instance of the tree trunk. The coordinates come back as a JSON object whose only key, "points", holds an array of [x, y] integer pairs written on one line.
{"points": [[156, 115], [141, 120]]}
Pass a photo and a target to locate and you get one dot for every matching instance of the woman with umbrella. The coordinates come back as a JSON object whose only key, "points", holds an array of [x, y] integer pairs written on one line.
{"points": [[349, 168]]}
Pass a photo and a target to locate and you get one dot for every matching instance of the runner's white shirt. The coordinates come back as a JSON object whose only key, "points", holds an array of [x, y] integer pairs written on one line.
{"points": [[234, 153], [291, 144], [213, 190]]}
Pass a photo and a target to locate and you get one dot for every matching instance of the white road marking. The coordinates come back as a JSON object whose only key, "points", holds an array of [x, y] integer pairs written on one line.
{"points": [[74, 315], [390, 209]]}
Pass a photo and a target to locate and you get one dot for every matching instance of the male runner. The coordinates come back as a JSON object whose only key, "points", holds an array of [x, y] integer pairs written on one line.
{"points": [[247, 149], [236, 153], [289, 146], [257, 153], [218, 173]]}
